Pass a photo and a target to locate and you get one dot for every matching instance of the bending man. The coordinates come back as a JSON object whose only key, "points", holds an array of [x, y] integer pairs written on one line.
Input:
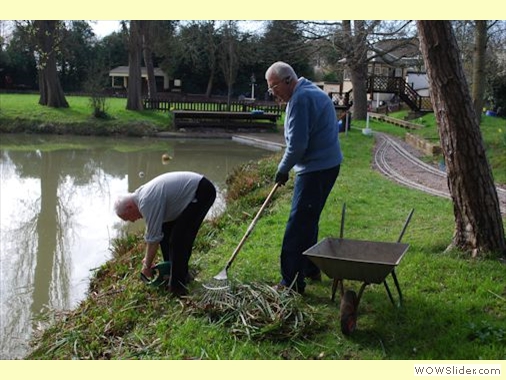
{"points": [[173, 206]]}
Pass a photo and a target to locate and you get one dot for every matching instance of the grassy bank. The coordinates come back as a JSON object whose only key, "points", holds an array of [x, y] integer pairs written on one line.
{"points": [[454, 307], [23, 114]]}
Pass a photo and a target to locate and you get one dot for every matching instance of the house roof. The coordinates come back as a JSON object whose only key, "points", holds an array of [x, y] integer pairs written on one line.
{"points": [[395, 52], [122, 71], [398, 52]]}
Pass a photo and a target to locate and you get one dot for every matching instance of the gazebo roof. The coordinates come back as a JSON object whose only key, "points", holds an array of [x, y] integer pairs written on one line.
{"points": [[122, 71]]}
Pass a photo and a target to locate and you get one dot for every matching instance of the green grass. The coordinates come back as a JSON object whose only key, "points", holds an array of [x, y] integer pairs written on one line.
{"points": [[22, 113], [454, 307]]}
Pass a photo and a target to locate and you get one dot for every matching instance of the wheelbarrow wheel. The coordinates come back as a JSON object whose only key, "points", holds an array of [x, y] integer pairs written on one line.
{"points": [[348, 311]]}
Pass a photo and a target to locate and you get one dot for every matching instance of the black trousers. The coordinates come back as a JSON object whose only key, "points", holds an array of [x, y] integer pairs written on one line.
{"points": [[179, 235]]}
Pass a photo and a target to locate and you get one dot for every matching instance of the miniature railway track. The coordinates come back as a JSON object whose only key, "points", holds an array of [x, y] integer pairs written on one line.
{"points": [[397, 163]]}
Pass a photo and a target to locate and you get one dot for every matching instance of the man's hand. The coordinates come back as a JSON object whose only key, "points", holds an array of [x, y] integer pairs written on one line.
{"points": [[147, 270], [281, 178]]}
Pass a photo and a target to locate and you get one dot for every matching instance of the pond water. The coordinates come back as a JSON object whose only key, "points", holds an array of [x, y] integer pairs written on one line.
{"points": [[56, 213]]}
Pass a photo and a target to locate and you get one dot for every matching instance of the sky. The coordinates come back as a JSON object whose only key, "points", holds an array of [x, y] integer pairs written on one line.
{"points": [[103, 28]]}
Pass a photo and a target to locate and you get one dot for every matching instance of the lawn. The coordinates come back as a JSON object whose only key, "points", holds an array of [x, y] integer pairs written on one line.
{"points": [[22, 113]]}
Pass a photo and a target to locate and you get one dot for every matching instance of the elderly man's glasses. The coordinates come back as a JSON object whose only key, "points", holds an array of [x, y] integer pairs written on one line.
{"points": [[270, 90]]}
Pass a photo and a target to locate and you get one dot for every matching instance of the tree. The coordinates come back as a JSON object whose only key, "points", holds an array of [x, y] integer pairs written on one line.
{"points": [[148, 30], [481, 45], [134, 99], [229, 60], [284, 41], [356, 42], [112, 50], [480, 48], [18, 60], [47, 38], [356, 60], [478, 223], [198, 52], [77, 56]]}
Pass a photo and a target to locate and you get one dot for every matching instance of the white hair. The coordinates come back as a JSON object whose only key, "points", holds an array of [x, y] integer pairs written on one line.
{"points": [[121, 204], [281, 70]]}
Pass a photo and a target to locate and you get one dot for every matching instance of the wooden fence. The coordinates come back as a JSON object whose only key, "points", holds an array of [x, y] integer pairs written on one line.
{"points": [[167, 105]]}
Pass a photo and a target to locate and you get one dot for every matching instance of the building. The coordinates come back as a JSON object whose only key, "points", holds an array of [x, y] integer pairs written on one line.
{"points": [[395, 72], [119, 79]]}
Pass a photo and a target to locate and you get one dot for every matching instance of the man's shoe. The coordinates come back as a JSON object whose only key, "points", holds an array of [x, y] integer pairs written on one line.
{"points": [[189, 277], [177, 291]]}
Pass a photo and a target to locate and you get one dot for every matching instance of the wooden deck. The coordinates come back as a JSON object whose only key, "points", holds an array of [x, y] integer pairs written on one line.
{"points": [[223, 119]]}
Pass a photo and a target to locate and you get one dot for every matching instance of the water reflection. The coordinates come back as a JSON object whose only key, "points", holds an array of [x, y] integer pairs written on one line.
{"points": [[56, 216]]}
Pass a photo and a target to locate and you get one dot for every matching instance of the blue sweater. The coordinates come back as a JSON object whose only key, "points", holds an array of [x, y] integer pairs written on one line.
{"points": [[311, 131]]}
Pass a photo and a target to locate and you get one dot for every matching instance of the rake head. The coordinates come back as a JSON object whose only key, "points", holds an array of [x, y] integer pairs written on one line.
{"points": [[219, 282], [216, 293], [217, 285], [222, 276]]}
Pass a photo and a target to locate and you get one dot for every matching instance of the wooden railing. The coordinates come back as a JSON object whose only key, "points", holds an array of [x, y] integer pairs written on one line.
{"points": [[399, 87], [166, 105]]}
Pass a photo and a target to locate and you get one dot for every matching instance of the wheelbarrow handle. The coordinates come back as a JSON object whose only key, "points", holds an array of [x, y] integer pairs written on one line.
{"points": [[343, 212], [405, 225]]}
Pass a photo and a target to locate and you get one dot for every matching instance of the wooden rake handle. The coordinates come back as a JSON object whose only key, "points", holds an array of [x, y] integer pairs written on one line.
{"points": [[251, 226]]}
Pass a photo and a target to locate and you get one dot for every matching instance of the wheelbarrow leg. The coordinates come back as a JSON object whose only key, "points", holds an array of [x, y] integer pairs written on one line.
{"points": [[396, 282], [337, 282]]}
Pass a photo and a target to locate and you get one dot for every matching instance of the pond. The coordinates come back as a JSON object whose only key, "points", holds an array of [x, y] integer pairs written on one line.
{"points": [[57, 221]]}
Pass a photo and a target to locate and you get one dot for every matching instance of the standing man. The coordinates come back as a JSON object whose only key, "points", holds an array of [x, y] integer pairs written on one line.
{"points": [[314, 152], [173, 206]]}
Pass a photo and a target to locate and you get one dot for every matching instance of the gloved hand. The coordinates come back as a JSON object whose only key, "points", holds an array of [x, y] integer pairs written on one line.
{"points": [[281, 178]]}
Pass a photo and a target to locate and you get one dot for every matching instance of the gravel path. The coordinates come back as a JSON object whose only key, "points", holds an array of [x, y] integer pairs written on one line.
{"points": [[401, 162]]}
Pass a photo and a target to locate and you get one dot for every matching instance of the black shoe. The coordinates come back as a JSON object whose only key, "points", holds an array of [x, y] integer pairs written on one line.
{"points": [[189, 278], [177, 291]]}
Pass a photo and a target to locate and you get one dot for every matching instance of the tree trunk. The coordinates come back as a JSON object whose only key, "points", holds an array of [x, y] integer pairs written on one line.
{"points": [[480, 48], [148, 57], [359, 82], [229, 59], [478, 222], [134, 100], [356, 59], [51, 91], [210, 80]]}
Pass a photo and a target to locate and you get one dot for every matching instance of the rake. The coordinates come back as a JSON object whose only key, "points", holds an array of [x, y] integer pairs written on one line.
{"points": [[220, 281]]}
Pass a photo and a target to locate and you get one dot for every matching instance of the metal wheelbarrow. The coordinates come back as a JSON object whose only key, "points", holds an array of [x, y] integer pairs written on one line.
{"points": [[367, 261]]}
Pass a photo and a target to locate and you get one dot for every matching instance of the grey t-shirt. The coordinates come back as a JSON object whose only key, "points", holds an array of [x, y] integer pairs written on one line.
{"points": [[163, 199]]}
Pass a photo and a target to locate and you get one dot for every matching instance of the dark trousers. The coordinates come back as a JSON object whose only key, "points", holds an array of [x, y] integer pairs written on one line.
{"points": [[179, 235], [309, 196]]}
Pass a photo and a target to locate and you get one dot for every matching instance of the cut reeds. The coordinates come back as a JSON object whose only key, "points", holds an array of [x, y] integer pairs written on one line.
{"points": [[257, 311]]}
